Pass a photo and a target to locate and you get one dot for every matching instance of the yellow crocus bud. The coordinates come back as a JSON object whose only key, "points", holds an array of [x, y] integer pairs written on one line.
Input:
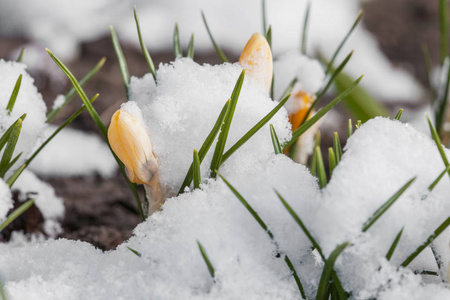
{"points": [[303, 102], [256, 59], [131, 143]]}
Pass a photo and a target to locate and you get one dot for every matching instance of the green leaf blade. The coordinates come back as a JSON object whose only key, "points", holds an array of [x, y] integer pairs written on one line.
{"points": [[196, 170], [147, 56], [14, 94], [276, 143], [219, 51], [16, 213], [207, 260], [121, 58]]}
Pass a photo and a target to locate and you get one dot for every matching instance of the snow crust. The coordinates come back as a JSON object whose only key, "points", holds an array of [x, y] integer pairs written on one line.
{"points": [[179, 112]]}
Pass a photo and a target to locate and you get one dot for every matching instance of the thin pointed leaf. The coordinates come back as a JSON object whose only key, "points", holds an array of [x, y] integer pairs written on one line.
{"points": [[296, 278], [398, 116], [324, 284], [443, 28], [254, 129], [394, 245], [218, 156], [379, 212], [121, 58], [299, 131], [13, 161], [206, 145], [358, 124], [288, 89], [275, 141], [176, 43], [443, 96], [190, 52], [15, 92], [5, 137], [436, 181], [269, 37], [219, 51], [70, 95], [428, 67], [301, 224], [429, 240], [10, 147], [134, 251], [16, 213], [264, 16], [305, 27], [321, 174], [147, 56], [206, 259], [350, 128], [337, 147], [196, 170], [312, 164], [437, 140], [331, 160], [330, 64], [20, 57]]}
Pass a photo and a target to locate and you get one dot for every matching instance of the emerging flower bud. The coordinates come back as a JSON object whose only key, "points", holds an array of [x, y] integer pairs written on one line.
{"points": [[256, 59], [303, 103], [131, 143]]}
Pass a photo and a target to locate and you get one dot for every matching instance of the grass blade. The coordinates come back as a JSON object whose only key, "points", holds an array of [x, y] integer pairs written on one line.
{"points": [[254, 129], [190, 52], [147, 56], [269, 37], [196, 170], [218, 157], [394, 245], [288, 89], [436, 181], [330, 64], [207, 260], [134, 251], [13, 161], [331, 160], [443, 28], [350, 128], [10, 147], [16, 213], [305, 27], [437, 140], [323, 290], [176, 43], [266, 229], [206, 145], [5, 137], [337, 147], [20, 57], [379, 212], [443, 96], [99, 123], [429, 240], [301, 224], [15, 92], [306, 125], [428, 66], [275, 140], [321, 174], [69, 96], [219, 51], [121, 58], [398, 116]]}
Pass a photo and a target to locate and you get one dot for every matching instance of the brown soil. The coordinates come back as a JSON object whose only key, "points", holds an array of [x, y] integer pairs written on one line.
{"points": [[102, 211]]}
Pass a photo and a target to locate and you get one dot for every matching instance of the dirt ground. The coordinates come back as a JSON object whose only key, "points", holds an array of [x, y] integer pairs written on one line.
{"points": [[102, 211]]}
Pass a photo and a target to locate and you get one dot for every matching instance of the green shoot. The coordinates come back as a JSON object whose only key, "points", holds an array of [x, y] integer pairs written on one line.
{"points": [[306, 125], [147, 56], [13, 98], [358, 124], [429, 240], [443, 28], [436, 181], [176, 43], [350, 128], [134, 251], [326, 279], [331, 62], [5, 137], [219, 51], [331, 160], [69, 96], [254, 129], [269, 37], [220, 146], [266, 229], [312, 164], [10, 147], [394, 245], [337, 147], [379, 212], [196, 170], [428, 67], [276, 143], [437, 140], [288, 89], [207, 260], [20, 57], [443, 96], [190, 52], [121, 58], [305, 27], [14, 160], [16, 213], [398, 116], [206, 145], [321, 174]]}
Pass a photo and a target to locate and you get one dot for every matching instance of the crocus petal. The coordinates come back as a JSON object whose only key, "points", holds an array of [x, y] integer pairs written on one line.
{"points": [[256, 59], [130, 142], [304, 102]]}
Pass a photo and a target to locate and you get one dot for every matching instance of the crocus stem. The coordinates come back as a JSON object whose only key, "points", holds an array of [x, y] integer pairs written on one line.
{"points": [[154, 194]]}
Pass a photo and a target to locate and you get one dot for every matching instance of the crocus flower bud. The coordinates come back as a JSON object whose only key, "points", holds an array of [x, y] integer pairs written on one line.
{"points": [[303, 102], [256, 59]]}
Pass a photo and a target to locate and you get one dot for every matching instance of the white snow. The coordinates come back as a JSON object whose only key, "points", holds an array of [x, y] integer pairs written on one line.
{"points": [[179, 112]]}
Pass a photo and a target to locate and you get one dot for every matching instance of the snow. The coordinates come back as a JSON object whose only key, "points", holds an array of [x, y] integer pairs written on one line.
{"points": [[71, 22], [179, 111]]}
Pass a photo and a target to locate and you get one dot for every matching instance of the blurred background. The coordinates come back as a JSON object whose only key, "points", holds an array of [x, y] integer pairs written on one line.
{"points": [[100, 209]]}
